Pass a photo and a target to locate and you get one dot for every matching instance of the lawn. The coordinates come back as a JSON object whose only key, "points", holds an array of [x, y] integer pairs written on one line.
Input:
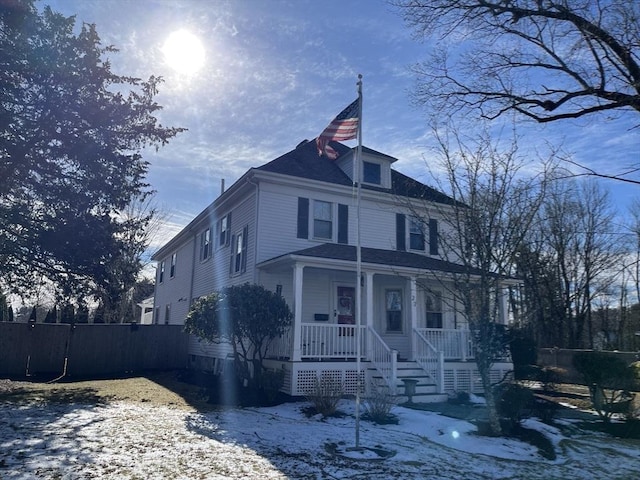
{"points": [[160, 427]]}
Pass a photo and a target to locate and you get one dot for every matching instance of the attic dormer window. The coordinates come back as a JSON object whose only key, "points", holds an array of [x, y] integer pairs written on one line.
{"points": [[371, 173]]}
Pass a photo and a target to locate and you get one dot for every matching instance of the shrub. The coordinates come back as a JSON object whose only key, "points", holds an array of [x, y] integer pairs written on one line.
{"points": [[549, 377], [271, 382], [378, 405], [325, 395], [609, 379], [514, 402]]}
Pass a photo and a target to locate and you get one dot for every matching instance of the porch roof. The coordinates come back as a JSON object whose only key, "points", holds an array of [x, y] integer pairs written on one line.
{"points": [[374, 256]]}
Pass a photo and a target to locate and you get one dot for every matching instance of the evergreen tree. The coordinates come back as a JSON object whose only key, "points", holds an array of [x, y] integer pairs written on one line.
{"points": [[70, 158]]}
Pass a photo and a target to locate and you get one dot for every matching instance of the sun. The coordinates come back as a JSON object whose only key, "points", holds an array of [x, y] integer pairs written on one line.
{"points": [[183, 52]]}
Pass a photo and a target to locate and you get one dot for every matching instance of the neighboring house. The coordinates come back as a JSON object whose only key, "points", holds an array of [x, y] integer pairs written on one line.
{"points": [[146, 311], [290, 225]]}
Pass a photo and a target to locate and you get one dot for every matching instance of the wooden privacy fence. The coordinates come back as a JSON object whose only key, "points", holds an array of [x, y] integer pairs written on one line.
{"points": [[90, 350]]}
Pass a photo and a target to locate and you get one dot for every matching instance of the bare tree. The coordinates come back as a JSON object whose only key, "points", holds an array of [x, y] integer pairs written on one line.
{"points": [[494, 205], [576, 259], [545, 59]]}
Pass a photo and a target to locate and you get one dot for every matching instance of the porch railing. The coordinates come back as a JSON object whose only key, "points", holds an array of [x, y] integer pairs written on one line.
{"points": [[384, 359], [430, 359], [454, 344], [332, 341]]}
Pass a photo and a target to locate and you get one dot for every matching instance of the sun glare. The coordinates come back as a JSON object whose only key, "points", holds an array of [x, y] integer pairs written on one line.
{"points": [[183, 52]]}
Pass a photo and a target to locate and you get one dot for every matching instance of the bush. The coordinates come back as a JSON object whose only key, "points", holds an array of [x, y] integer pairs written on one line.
{"points": [[378, 405], [549, 377], [609, 379], [271, 382], [325, 395], [514, 402]]}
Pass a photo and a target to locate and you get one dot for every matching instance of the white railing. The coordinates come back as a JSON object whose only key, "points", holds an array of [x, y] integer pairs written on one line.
{"points": [[384, 359], [332, 341], [430, 359], [454, 344], [282, 346]]}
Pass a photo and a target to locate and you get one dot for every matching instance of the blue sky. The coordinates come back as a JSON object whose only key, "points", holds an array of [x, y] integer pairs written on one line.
{"points": [[276, 72]]}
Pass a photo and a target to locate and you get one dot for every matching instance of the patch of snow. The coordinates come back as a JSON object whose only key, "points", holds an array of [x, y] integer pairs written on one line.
{"points": [[126, 440]]}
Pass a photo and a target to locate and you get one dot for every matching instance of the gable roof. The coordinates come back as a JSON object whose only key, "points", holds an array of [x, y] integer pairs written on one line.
{"points": [[304, 162], [394, 258]]}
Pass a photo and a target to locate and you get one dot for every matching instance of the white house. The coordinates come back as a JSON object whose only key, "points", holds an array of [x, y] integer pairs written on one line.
{"points": [[290, 225]]}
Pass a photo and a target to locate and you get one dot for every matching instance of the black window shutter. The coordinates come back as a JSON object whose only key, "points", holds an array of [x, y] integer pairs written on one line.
{"points": [[400, 232], [303, 217], [245, 242], [343, 223], [233, 254], [433, 236]]}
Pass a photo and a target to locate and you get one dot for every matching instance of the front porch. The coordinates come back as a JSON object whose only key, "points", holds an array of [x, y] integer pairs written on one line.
{"points": [[443, 362]]}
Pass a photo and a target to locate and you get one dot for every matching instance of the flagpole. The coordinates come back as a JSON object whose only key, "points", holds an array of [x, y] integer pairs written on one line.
{"points": [[358, 179]]}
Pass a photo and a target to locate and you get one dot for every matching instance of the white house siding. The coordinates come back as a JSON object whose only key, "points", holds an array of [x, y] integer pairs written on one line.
{"points": [[213, 274], [175, 291]]}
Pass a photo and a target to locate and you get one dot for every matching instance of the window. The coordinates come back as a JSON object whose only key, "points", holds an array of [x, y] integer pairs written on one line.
{"points": [[167, 313], [416, 234], [224, 227], [394, 310], [205, 245], [239, 252], [161, 272], [172, 270], [322, 220], [371, 172], [433, 309], [156, 315]]}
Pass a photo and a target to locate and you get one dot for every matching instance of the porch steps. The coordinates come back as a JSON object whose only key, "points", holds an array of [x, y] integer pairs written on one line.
{"points": [[425, 391]]}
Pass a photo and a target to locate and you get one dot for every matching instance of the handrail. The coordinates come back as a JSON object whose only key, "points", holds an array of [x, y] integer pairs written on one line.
{"points": [[455, 344], [384, 359], [430, 359]]}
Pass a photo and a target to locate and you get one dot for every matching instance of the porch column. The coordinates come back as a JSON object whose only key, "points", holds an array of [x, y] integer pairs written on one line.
{"points": [[413, 305], [368, 298], [503, 298], [297, 311]]}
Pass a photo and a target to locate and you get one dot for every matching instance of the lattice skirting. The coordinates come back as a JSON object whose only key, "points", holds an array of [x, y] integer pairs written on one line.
{"points": [[465, 378]]}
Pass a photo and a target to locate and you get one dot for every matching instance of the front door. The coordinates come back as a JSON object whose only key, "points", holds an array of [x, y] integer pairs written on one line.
{"points": [[345, 305], [345, 313]]}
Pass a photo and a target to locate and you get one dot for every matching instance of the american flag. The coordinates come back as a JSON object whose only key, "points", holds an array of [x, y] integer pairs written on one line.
{"points": [[343, 127]]}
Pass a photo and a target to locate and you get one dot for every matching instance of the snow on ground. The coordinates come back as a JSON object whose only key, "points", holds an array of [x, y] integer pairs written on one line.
{"points": [[137, 441]]}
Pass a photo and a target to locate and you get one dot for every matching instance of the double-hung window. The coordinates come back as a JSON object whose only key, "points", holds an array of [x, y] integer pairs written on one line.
{"points": [[172, 269], [161, 272], [433, 309], [205, 245], [393, 304], [416, 234], [239, 243], [322, 220], [224, 228]]}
